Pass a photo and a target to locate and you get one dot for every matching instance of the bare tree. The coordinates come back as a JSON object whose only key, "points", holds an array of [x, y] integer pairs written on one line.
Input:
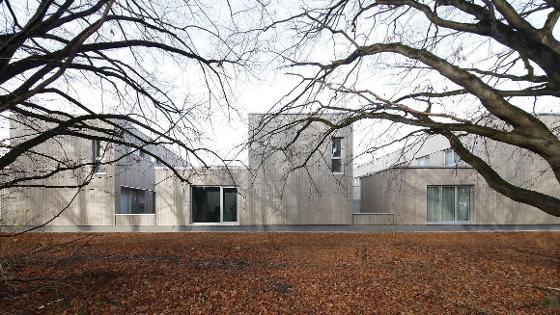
{"points": [[461, 69], [100, 69], [78, 67]]}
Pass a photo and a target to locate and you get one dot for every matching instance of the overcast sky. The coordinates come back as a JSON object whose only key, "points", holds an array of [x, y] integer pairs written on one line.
{"points": [[226, 131]]}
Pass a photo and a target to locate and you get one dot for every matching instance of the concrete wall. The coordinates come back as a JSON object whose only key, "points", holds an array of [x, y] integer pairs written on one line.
{"points": [[171, 208], [135, 219], [373, 218], [282, 190]]}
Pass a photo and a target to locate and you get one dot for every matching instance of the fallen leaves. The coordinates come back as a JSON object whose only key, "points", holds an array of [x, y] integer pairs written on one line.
{"points": [[255, 273]]}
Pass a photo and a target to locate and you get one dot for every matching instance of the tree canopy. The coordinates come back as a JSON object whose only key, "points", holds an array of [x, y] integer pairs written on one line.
{"points": [[66, 66], [461, 69]]}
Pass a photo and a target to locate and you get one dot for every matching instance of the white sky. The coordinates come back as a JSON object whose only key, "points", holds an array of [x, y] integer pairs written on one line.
{"points": [[225, 134]]}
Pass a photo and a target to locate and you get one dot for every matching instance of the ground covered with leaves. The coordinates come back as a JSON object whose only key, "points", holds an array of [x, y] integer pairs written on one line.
{"points": [[316, 273]]}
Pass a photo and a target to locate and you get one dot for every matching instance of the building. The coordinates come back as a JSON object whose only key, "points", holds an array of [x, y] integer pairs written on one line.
{"points": [[115, 192], [276, 189], [296, 178], [427, 184]]}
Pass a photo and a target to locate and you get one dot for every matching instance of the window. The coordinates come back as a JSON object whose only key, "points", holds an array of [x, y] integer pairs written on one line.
{"points": [[423, 160], [451, 158], [98, 150], [214, 204], [449, 203], [336, 158], [230, 205], [136, 201]]}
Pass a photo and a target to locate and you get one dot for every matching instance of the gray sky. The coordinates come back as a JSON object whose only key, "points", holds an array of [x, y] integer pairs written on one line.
{"points": [[227, 130]]}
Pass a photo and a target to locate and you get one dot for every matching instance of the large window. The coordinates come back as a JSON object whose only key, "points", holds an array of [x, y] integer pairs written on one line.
{"points": [[212, 204], [136, 201], [336, 157], [449, 203], [451, 158]]}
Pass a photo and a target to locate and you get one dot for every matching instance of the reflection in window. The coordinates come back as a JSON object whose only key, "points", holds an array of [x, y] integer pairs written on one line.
{"points": [[214, 204], [230, 204], [98, 150], [206, 204], [423, 161], [434, 204], [451, 158], [449, 203], [336, 155], [136, 201]]}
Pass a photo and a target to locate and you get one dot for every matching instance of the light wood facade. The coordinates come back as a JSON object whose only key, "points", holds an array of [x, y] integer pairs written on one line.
{"points": [[94, 204], [289, 180], [403, 188], [270, 191]]}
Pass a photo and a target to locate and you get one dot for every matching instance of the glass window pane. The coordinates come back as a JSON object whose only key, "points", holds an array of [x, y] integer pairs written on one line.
{"points": [[138, 201], [463, 203], [98, 155], [448, 203], [125, 201], [423, 160], [206, 204], [449, 159], [336, 147], [433, 204], [456, 158], [135, 201], [336, 166], [153, 201], [230, 204]]}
